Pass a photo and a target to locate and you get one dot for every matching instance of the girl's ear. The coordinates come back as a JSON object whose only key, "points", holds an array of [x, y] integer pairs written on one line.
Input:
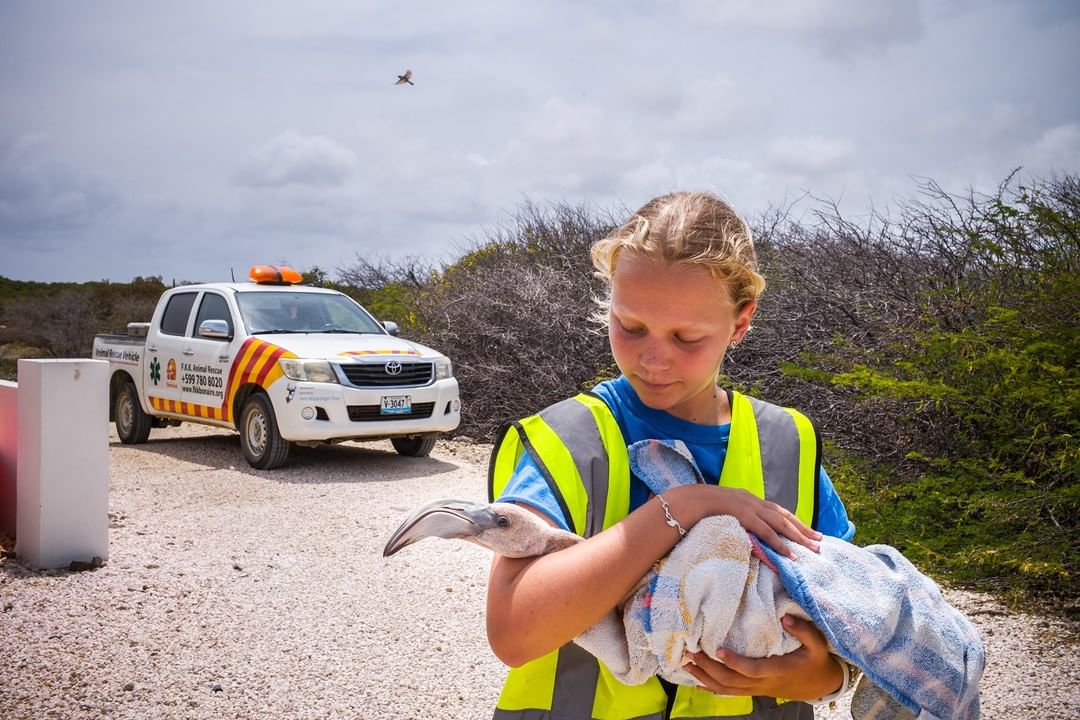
{"points": [[742, 322]]}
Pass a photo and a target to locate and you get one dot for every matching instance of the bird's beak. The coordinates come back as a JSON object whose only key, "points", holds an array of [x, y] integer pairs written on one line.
{"points": [[442, 518]]}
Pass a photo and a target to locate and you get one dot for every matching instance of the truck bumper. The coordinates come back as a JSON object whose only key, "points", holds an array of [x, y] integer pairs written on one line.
{"points": [[328, 412]]}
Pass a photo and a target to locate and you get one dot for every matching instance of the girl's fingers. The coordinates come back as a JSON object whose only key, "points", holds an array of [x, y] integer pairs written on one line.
{"points": [[799, 533], [773, 540], [701, 676], [783, 523], [716, 676], [805, 529], [771, 522]]}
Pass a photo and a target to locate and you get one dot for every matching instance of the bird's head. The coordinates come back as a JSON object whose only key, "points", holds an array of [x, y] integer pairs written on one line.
{"points": [[505, 528]]}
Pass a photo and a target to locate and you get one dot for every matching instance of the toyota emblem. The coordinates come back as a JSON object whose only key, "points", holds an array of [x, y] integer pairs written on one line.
{"points": [[392, 368]]}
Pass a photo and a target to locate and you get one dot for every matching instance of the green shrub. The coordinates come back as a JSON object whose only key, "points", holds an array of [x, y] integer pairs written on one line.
{"points": [[996, 498]]}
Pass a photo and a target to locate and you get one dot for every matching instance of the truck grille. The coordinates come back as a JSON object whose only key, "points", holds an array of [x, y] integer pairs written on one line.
{"points": [[411, 374], [367, 413]]}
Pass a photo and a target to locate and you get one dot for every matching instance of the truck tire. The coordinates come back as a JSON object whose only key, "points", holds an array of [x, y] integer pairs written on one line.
{"points": [[263, 445], [132, 424], [414, 446]]}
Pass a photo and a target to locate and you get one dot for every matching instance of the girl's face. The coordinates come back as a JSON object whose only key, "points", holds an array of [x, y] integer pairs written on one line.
{"points": [[670, 326]]}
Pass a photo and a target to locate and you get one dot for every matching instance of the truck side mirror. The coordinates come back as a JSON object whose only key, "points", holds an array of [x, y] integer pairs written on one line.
{"points": [[391, 327], [215, 329]]}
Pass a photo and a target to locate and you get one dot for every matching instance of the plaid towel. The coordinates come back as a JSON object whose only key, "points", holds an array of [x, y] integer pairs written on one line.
{"points": [[683, 607], [919, 655], [880, 613]]}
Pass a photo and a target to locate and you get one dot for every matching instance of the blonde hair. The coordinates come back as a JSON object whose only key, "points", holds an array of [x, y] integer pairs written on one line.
{"points": [[688, 227]]}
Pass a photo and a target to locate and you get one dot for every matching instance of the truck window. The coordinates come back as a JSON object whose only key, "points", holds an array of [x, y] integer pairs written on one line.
{"points": [[303, 312], [174, 320], [212, 307]]}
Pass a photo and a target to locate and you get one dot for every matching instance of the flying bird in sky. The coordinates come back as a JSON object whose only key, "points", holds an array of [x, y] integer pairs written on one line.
{"points": [[402, 79]]}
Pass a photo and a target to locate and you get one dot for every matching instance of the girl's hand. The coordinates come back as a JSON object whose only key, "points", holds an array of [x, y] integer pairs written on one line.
{"points": [[767, 520], [808, 673]]}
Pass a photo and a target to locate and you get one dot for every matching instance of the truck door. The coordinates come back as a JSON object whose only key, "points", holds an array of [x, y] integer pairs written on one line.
{"points": [[164, 347], [204, 369]]}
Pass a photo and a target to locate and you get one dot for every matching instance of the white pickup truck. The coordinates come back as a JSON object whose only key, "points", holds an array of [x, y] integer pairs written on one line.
{"points": [[280, 363]]}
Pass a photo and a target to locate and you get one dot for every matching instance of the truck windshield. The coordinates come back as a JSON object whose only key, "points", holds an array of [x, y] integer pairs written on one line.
{"points": [[304, 312]]}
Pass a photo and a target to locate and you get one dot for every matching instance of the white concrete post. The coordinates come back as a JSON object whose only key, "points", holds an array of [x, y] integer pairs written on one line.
{"points": [[63, 462], [9, 446]]}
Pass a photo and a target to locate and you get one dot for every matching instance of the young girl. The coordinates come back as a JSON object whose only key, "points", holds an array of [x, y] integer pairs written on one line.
{"points": [[683, 289]]}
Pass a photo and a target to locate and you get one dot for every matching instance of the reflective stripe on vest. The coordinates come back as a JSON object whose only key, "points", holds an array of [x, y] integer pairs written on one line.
{"points": [[774, 453], [579, 448], [582, 455]]}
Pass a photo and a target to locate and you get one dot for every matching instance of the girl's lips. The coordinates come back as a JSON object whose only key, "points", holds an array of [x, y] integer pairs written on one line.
{"points": [[653, 386]]}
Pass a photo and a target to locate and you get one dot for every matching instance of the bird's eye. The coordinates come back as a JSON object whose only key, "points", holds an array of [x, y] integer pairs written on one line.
{"points": [[503, 521]]}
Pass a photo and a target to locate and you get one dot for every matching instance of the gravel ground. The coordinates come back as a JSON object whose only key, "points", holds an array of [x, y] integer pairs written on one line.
{"points": [[234, 593]]}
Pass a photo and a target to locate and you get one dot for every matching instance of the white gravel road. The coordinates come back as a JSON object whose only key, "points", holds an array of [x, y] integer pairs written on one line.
{"points": [[234, 593]]}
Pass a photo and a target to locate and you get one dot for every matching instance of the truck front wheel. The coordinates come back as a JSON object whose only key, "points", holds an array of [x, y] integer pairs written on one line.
{"points": [[132, 424], [263, 445], [414, 446]]}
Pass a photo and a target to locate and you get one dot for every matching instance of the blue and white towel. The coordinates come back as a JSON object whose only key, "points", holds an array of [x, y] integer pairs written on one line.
{"points": [[919, 655]]}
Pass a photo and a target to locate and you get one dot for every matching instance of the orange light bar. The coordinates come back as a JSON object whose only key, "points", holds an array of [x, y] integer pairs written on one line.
{"points": [[270, 275]]}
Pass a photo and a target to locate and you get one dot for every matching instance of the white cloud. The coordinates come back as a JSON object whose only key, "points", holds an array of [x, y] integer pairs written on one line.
{"points": [[573, 148], [559, 122], [40, 193], [835, 27], [294, 159], [811, 154], [477, 160], [1057, 148]]}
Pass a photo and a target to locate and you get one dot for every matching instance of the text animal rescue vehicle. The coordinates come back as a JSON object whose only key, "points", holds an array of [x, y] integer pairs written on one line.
{"points": [[128, 356], [280, 363]]}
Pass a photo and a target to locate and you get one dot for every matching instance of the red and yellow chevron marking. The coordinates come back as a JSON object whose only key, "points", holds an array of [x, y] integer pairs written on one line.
{"points": [[182, 408], [255, 362], [379, 352]]}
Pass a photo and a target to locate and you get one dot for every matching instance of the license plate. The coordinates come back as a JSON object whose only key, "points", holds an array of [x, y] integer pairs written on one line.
{"points": [[396, 404]]}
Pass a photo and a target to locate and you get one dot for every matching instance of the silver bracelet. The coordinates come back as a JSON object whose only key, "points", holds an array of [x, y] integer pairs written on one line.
{"points": [[851, 677], [670, 520]]}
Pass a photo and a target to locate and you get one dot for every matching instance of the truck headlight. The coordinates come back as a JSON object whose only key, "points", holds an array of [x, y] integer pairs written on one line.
{"points": [[443, 369], [308, 370]]}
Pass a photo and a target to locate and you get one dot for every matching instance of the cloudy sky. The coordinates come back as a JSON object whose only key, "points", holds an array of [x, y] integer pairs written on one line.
{"points": [[188, 139]]}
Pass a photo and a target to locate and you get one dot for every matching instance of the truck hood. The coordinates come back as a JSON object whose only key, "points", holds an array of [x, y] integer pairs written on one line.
{"points": [[342, 348]]}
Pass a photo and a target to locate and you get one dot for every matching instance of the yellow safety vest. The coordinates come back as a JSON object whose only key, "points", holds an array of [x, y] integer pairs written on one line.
{"points": [[772, 452]]}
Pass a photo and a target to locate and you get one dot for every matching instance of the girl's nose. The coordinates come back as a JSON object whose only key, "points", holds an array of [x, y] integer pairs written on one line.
{"points": [[655, 356]]}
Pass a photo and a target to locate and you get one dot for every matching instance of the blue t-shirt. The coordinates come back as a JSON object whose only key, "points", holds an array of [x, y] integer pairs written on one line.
{"points": [[707, 443]]}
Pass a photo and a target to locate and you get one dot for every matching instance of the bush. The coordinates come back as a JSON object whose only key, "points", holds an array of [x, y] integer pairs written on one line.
{"points": [[513, 314], [60, 320], [968, 365], [389, 289]]}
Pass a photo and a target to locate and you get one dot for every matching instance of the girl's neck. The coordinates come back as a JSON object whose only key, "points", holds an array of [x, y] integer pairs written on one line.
{"points": [[722, 405], [713, 409]]}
